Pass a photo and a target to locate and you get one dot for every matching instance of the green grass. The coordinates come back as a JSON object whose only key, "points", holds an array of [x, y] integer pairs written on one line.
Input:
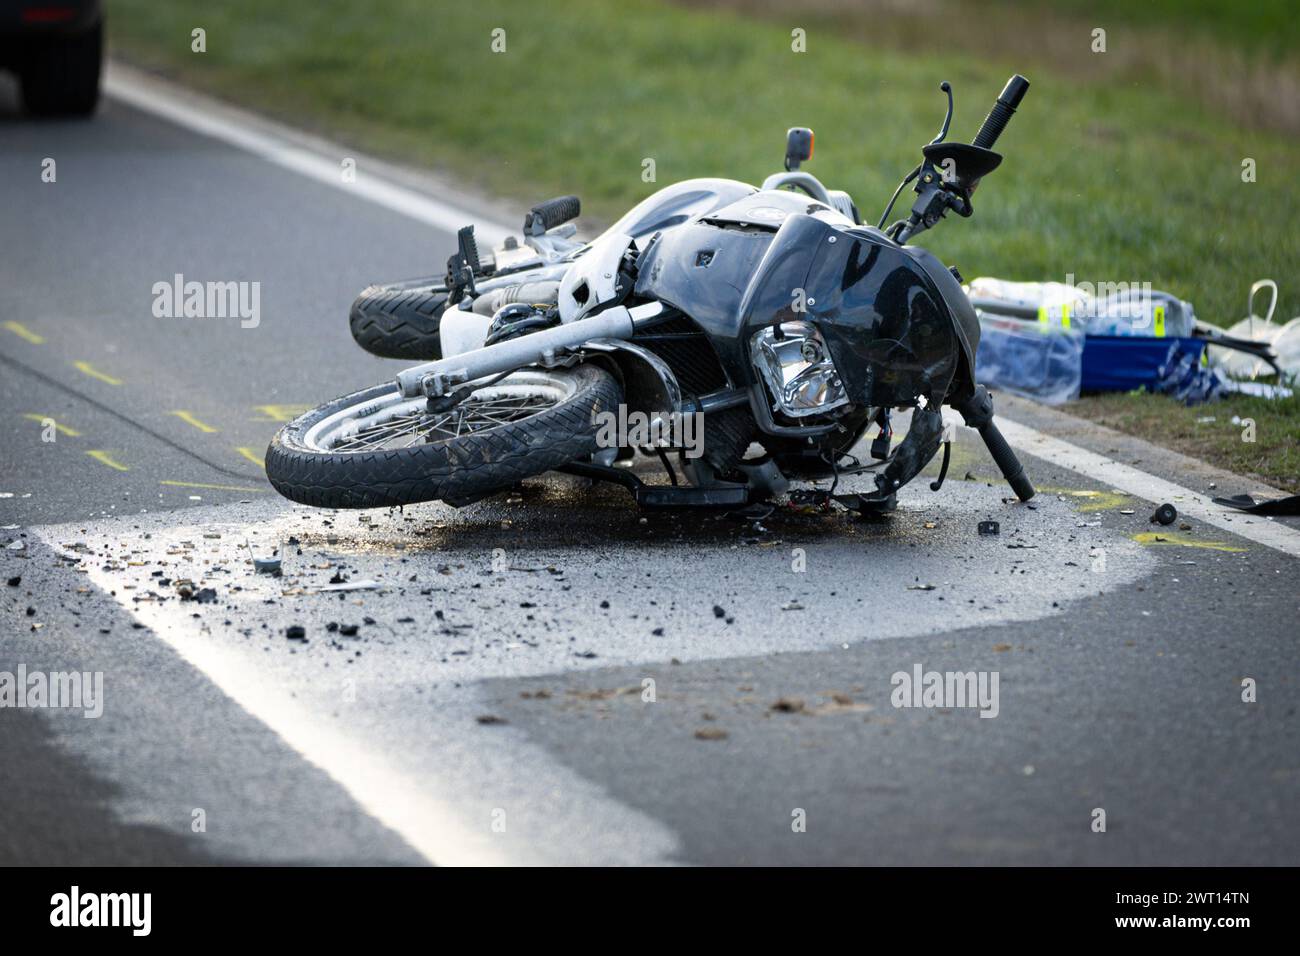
{"points": [[1109, 177], [1269, 27], [1240, 62], [1273, 457]]}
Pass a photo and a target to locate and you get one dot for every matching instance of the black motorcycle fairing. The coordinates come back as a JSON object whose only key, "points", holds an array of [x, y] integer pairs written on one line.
{"points": [[966, 325], [924, 435], [897, 323], [703, 270], [887, 326], [890, 331]]}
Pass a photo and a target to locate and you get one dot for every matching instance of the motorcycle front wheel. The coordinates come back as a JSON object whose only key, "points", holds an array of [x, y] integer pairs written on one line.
{"points": [[376, 448]]}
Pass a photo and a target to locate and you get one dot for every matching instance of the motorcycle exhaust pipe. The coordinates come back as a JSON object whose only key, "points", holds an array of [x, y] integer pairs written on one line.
{"points": [[440, 376]]}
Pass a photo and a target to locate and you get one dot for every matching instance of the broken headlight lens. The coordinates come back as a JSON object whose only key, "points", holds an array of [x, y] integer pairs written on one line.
{"points": [[797, 368]]}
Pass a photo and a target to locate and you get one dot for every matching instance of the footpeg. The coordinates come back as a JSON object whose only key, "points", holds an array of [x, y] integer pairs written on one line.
{"points": [[463, 266], [554, 212]]}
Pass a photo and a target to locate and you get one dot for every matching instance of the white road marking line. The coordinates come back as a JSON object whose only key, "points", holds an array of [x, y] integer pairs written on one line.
{"points": [[1138, 483], [152, 98], [435, 830], [431, 794]]}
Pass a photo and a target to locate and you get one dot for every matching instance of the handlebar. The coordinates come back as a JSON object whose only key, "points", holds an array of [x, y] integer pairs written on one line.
{"points": [[1007, 461], [935, 194], [1002, 111]]}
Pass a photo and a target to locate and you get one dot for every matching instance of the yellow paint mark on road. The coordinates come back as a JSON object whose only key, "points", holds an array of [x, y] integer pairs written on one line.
{"points": [[279, 413], [24, 333], [199, 484], [88, 369], [61, 429], [104, 458], [1091, 500], [189, 419], [252, 455], [1169, 537]]}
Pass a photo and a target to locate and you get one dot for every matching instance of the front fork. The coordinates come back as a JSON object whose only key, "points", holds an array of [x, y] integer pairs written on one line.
{"points": [[543, 347], [922, 442]]}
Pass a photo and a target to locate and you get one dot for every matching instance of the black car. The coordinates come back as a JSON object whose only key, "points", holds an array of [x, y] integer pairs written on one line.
{"points": [[55, 47]]}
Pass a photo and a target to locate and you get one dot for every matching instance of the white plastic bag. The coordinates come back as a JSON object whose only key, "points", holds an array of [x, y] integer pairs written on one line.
{"points": [[1253, 328]]}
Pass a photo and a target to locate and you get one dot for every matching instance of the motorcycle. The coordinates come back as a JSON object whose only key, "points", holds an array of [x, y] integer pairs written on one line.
{"points": [[771, 317]]}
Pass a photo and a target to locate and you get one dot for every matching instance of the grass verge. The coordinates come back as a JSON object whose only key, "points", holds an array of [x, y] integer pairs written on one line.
{"points": [[1247, 436]]}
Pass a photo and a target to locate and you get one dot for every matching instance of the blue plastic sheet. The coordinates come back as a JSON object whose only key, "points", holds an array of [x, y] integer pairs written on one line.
{"points": [[1053, 364], [1184, 377], [1171, 366], [1028, 359]]}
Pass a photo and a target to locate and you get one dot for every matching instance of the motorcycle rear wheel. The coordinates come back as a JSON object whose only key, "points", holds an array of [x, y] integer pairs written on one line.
{"points": [[400, 320], [375, 448]]}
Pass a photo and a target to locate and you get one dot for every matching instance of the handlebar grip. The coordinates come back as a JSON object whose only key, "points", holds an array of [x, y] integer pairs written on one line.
{"points": [[1007, 461], [1002, 111], [552, 213]]}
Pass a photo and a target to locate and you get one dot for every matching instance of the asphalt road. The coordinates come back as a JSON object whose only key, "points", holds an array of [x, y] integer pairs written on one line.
{"points": [[546, 677]]}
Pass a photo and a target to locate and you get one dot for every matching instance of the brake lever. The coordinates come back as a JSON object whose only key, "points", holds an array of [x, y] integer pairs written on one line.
{"points": [[946, 87]]}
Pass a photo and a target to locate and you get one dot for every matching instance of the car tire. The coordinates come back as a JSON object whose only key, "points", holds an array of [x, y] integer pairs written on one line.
{"points": [[61, 75]]}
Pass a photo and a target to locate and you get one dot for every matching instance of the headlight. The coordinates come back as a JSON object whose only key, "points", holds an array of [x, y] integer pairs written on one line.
{"points": [[797, 368]]}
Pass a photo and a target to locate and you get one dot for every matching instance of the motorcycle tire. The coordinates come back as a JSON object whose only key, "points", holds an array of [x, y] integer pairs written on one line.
{"points": [[375, 448], [400, 320]]}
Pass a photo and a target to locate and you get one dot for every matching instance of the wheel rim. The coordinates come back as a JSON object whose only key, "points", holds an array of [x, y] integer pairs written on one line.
{"points": [[392, 421]]}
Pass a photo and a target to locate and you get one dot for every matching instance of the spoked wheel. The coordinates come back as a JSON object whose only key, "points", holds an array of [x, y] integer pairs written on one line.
{"points": [[405, 424], [376, 448]]}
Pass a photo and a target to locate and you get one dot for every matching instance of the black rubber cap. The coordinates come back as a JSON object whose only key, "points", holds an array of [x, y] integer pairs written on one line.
{"points": [[1165, 514]]}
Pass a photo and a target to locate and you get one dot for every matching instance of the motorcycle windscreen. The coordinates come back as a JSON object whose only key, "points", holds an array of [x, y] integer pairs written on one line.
{"points": [[887, 327], [676, 204]]}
